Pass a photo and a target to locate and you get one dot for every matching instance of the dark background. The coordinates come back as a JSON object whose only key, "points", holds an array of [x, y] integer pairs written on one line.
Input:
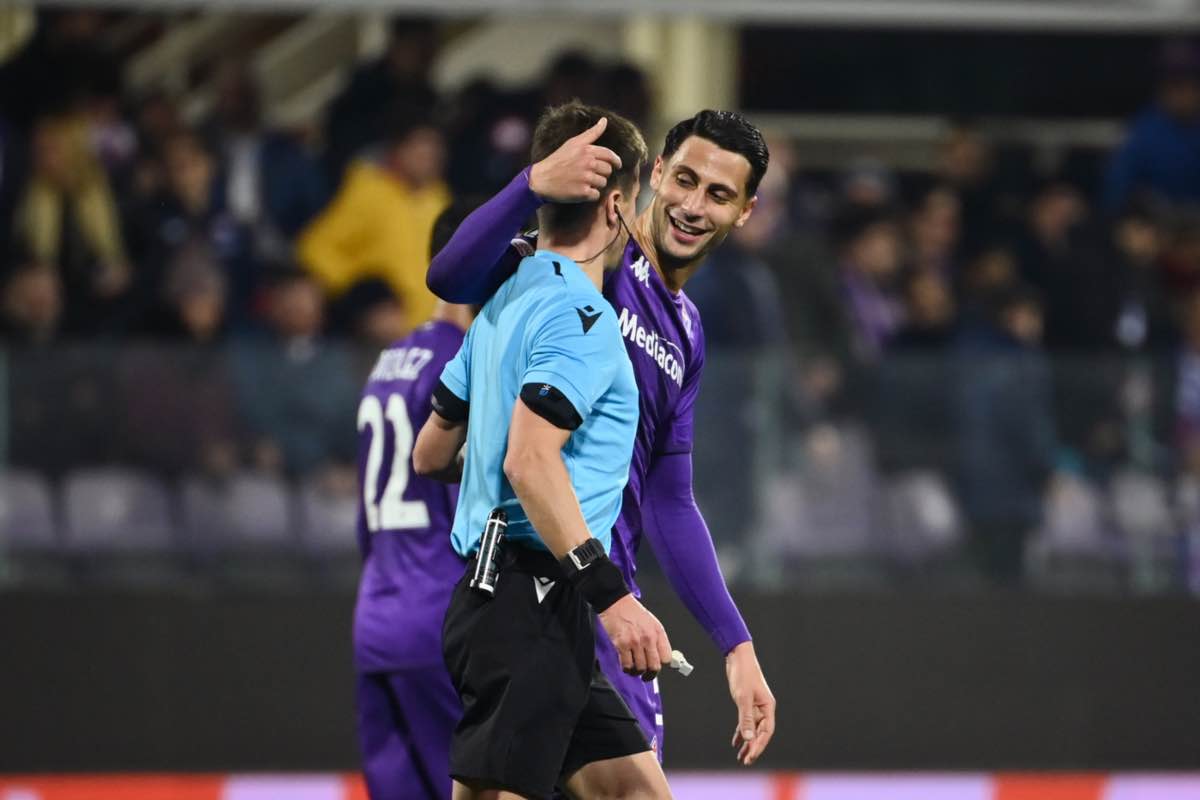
{"points": [[156, 681], [969, 73]]}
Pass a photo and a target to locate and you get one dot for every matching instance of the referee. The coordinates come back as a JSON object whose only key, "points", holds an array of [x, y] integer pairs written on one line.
{"points": [[553, 407]]}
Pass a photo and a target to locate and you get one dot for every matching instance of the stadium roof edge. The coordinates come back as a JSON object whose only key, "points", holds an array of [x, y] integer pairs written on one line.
{"points": [[1097, 16]]}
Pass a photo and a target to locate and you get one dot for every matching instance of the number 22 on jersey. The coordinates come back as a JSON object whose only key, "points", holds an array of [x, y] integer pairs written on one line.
{"points": [[391, 512]]}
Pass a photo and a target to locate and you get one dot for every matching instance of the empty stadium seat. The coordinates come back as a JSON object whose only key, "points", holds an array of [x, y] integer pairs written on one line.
{"points": [[26, 513], [839, 486], [249, 512], [1140, 505], [329, 530], [817, 526], [30, 550], [118, 527], [242, 529], [1074, 547], [1141, 511], [328, 521], [113, 510], [920, 516]]}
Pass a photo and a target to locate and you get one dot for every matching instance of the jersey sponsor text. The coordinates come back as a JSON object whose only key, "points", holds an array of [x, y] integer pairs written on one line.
{"points": [[666, 354]]}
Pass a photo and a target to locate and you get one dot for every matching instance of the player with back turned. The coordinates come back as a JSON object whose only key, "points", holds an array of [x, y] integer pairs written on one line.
{"points": [[552, 406], [704, 182], [406, 704]]}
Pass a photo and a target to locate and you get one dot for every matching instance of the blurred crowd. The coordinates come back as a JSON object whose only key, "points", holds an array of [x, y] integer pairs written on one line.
{"points": [[272, 261], [1019, 334], [211, 291]]}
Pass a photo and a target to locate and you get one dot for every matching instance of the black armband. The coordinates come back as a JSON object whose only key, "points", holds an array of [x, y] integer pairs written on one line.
{"points": [[551, 405], [595, 575], [448, 405]]}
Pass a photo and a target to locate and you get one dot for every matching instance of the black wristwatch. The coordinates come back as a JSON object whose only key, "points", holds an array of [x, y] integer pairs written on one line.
{"points": [[583, 556], [593, 573]]}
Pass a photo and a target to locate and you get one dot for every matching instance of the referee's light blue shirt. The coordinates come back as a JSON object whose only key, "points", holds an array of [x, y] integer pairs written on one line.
{"points": [[547, 324]]}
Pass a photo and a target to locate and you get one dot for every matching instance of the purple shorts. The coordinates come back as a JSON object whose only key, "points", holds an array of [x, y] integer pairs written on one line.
{"points": [[405, 722], [642, 698]]}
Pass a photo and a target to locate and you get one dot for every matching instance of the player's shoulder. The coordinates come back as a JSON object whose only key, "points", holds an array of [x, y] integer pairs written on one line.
{"points": [[434, 335], [689, 320], [406, 358]]}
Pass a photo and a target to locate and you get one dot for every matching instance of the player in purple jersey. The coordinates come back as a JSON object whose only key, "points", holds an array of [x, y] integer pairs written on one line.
{"points": [[407, 706], [704, 182]]}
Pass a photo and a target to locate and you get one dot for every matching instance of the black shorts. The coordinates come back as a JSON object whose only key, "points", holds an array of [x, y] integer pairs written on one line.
{"points": [[536, 706]]}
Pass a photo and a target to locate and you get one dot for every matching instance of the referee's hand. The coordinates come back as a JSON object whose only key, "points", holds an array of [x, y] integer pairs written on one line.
{"points": [[638, 636], [577, 171]]}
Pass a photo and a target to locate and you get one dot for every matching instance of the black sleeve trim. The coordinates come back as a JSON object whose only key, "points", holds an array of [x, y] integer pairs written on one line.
{"points": [[551, 405], [448, 405]]}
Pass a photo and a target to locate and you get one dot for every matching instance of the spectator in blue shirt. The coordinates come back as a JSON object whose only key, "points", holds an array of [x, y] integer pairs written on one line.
{"points": [[1161, 155]]}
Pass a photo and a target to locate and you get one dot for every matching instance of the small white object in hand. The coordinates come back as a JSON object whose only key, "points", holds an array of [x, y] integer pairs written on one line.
{"points": [[679, 663]]}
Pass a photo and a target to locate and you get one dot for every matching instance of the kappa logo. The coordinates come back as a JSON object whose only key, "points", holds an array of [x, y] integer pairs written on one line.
{"points": [[587, 318], [542, 586], [641, 270]]}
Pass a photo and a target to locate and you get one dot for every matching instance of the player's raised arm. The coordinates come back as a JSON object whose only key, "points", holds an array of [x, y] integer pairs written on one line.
{"points": [[478, 258]]}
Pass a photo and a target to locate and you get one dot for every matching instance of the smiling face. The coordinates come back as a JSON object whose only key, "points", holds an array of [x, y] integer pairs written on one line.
{"points": [[700, 195]]}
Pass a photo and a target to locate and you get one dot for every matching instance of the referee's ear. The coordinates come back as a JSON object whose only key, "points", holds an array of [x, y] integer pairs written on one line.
{"points": [[612, 207]]}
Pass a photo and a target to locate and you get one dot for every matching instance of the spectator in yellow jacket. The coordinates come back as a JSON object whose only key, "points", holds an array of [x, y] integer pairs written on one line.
{"points": [[67, 220], [378, 225]]}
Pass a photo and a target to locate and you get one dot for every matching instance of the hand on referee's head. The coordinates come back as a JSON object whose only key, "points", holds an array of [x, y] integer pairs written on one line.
{"points": [[638, 636], [577, 171]]}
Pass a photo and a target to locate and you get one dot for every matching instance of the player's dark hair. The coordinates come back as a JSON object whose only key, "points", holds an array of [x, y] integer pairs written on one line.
{"points": [[559, 124], [730, 131]]}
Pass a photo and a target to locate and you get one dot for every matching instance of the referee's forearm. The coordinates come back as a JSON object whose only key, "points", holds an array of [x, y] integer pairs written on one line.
{"points": [[437, 453]]}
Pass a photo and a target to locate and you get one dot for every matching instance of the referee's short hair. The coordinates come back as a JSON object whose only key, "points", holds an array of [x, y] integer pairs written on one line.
{"points": [[560, 123]]}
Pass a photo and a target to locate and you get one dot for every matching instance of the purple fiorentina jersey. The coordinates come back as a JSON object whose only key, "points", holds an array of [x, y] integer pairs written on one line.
{"points": [[409, 568], [665, 342]]}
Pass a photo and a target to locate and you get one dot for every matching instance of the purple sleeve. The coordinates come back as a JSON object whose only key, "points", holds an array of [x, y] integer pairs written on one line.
{"points": [[677, 435], [477, 259], [684, 549]]}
